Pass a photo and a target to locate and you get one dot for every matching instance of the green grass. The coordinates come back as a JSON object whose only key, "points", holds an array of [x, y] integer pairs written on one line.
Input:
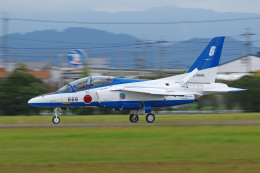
{"points": [[125, 118], [131, 149]]}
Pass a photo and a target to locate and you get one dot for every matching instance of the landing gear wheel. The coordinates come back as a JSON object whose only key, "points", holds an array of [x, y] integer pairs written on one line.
{"points": [[133, 118], [57, 112], [150, 118], [56, 120]]}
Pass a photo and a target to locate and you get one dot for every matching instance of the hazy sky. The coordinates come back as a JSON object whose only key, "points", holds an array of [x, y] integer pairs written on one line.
{"points": [[45, 6], [82, 10]]}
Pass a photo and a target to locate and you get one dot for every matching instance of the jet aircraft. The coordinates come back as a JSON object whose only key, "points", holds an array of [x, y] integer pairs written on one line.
{"points": [[135, 94]]}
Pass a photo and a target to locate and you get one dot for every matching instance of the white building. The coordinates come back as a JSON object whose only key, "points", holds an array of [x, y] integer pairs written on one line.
{"points": [[98, 62], [237, 68], [32, 66]]}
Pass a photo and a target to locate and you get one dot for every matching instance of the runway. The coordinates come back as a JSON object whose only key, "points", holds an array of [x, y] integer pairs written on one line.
{"points": [[216, 123]]}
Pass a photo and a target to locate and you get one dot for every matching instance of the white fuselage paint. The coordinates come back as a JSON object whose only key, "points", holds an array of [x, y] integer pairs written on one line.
{"points": [[110, 93]]}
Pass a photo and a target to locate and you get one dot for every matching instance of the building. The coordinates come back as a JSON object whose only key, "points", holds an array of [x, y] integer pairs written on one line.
{"points": [[31, 66], [44, 75], [40, 70], [97, 62], [235, 69]]}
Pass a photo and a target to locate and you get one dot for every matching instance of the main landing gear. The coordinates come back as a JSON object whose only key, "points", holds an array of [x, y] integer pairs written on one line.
{"points": [[149, 117], [134, 118], [57, 112]]}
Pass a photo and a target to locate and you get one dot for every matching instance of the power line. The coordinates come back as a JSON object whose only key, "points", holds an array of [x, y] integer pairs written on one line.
{"points": [[232, 44], [118, 44], [134, 23], [64, 42]]}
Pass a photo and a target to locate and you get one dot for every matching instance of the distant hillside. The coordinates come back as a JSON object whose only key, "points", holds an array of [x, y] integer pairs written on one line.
{"points": [[173, 32], [187, 51], [123, 50], [49, 44]]}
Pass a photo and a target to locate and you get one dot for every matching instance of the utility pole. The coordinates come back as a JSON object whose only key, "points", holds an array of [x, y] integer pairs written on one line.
{"points": [[61, 65], [140, 61], [248, 44], [161, 59], [5, 43]]}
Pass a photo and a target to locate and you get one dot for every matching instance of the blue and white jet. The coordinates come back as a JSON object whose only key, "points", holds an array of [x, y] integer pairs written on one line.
{"points": [[135, 94]]}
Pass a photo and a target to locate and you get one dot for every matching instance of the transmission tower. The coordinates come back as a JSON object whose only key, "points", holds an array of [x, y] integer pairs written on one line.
{"points": [[248, 44], [5, 43]]}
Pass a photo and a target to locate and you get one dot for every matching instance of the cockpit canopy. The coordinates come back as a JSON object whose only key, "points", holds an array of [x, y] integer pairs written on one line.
{"points": [[85, 83]]}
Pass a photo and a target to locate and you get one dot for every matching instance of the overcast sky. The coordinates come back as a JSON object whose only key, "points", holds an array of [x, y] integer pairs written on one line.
{"points": [[79, 10], [45, 6]]}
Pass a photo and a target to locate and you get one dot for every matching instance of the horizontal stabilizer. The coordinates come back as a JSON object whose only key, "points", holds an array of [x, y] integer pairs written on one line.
{"points": [[236, 89], [226, 89]]}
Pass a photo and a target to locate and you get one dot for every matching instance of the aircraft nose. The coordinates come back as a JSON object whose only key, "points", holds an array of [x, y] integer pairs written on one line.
{"points": [[31, 101]]}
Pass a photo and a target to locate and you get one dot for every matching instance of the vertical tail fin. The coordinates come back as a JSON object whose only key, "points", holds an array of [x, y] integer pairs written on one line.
{"points": [[207, 62]]}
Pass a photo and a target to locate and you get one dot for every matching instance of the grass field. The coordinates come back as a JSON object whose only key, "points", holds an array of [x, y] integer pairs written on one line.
{"points": [[131, 149], [125, 118]]}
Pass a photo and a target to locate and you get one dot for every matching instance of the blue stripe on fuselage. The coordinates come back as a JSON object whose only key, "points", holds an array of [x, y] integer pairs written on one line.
{"points": [[155, 103]]}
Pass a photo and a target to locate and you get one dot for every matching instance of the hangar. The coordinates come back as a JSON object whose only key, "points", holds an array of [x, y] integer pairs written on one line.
{"points": [[235, 69]]}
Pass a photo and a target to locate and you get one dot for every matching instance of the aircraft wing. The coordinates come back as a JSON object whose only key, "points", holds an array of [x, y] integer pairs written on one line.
{"points": [[154, 91]]}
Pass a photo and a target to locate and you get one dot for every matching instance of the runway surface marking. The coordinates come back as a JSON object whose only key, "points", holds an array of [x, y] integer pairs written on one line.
{"points": [[214, 123]]}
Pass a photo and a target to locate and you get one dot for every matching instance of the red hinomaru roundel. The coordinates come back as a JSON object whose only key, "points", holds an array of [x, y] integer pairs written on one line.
{"points": [[87, 99]]}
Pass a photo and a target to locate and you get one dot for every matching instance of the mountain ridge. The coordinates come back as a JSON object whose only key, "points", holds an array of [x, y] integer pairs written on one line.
{"points": [[123, 50], [172, 32]]}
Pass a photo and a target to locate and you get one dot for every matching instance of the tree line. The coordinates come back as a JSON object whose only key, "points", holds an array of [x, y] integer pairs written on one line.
{"points": [[19, 87]]}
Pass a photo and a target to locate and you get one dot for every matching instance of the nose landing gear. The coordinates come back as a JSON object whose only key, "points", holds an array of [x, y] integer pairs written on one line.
{"points": [[57, 112]]}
